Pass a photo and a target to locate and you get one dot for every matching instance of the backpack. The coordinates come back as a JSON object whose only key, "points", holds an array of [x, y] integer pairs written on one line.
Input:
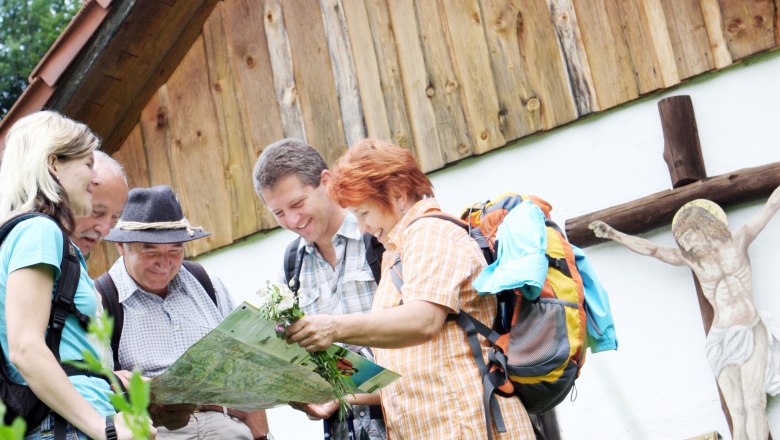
{"points": [[538, 345], [105, 285], [20, 401], [293, 257]]}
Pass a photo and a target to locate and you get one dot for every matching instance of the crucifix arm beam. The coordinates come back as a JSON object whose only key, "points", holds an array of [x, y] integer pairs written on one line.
{"points": [[653, 211]]}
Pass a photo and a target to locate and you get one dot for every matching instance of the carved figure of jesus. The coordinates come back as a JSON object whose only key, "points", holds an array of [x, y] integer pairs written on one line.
{"points": [[739, 347]]}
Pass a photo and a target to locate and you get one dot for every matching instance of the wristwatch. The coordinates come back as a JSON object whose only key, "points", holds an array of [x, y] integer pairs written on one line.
{"points": [[110, 428], [265, 437]]}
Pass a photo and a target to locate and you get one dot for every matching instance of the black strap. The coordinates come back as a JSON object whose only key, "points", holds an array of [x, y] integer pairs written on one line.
{"points": [[293, 260], [374, 252], [63, 304], [105, 285], [293, 256], [203, 278]]}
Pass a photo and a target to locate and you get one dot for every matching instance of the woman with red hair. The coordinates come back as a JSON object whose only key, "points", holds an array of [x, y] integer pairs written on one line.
{"points": [[439, 394]]}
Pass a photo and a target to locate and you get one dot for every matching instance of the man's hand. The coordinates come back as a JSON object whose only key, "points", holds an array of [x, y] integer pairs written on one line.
{"points": [[317, 411], [601, 229], [314, 333], [173, 416]]}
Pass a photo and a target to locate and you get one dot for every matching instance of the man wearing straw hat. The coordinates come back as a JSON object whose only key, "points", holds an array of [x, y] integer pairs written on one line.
{"points": [[167, 307]]}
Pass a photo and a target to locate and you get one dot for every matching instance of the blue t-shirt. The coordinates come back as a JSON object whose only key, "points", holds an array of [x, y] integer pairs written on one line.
{"points": [[39, 241]]}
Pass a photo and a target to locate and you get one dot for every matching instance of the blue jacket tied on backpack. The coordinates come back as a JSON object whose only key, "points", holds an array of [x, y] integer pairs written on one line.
{"points": [[521, 263]]}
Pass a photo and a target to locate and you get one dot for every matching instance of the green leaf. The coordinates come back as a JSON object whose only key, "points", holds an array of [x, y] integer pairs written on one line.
{"points": [[120, 402], [139, 391]]}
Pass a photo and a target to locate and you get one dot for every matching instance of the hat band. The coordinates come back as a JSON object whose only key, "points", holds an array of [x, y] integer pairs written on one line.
{"points": [[140, 226]]}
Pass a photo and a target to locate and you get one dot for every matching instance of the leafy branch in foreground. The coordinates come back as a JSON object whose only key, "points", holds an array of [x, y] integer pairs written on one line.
{"points": [[133, 405]]}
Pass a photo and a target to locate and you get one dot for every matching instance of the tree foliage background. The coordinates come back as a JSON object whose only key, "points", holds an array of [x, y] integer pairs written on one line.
{"points": [[27, 30]]}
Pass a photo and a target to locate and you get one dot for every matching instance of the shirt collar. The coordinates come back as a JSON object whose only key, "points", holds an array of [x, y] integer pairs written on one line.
{"points": [[417, 210], [348, 230]]}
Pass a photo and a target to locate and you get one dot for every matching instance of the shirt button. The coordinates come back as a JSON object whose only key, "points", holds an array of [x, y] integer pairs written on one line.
{"points": [[362, 413]]}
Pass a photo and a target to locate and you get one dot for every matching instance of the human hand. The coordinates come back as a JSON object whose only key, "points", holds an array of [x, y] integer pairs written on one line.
{"points": [[123, 431], [124, 377], [601, 229], [319, 411], [314, 333], [173, 416]]}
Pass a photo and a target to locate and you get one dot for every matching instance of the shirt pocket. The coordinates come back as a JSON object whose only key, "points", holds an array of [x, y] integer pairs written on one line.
{"points": [[363, 275]]}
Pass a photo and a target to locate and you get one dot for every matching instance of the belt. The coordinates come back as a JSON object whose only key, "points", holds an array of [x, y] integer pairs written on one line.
{"points": [[236, 414]]}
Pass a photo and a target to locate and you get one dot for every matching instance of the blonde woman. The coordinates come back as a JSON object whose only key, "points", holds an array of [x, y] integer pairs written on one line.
{"points": [[47, 167]]}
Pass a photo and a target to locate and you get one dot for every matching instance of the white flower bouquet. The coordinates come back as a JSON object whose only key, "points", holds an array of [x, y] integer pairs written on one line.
{"points": [[279, 304]]}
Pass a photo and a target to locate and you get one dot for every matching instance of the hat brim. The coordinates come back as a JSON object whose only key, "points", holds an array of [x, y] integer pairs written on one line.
{"points": [[159, 236]]}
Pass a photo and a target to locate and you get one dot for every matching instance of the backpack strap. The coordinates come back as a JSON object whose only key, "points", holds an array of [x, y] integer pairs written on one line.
{"points": [[374, 252], [203, 278], [105, 285], [108, 291], [491, 379], [293, 258], [63, 304]]}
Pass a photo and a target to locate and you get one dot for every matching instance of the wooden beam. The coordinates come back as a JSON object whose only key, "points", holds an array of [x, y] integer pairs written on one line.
{"points": [[656, 210], [682, 150]]}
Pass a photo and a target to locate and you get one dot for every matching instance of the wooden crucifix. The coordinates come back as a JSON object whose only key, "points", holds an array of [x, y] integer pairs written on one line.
{"points": [[682, 153]]}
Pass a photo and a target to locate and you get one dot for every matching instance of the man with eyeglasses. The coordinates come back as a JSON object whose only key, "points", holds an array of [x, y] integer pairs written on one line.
{"points": [[168, 306]]}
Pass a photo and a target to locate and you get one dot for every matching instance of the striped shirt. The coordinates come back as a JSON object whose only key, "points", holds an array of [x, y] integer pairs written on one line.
{"points": [[346, 288], [157, 331], [439, 394]]}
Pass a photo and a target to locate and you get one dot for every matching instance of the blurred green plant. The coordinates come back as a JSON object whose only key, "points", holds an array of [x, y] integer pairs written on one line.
{"points": [[14, 431], [133, 405]]}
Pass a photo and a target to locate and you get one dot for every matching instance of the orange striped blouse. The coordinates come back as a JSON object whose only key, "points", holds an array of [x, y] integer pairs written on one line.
{"points": [[439, 394]]}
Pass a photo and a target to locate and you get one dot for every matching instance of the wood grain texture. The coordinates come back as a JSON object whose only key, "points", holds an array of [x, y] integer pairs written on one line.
{"points": [[230, 107], [714, 22], [519, 105], [132, 156], [682, 149], [280, 56], [444, 89], [688, 35], [661, 41], [608, 53], [575, 58], [158, 138], [344, 73], [367, 73], [314, 78], [541, 52], [196, 154], [414, 79], [251, 61], [162, 54], [640, 45], [261, 119], [656, 210], [469, 52], [749, 26]]}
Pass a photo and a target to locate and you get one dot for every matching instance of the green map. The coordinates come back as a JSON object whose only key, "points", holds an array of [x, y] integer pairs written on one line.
{"points": [[243, 364]]}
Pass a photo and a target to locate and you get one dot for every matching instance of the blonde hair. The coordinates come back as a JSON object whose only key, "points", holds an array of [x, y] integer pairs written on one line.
{"points": [[26, 184]]}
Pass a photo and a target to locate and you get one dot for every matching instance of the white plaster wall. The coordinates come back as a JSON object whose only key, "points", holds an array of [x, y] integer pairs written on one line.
{"points": [[658, 384]]}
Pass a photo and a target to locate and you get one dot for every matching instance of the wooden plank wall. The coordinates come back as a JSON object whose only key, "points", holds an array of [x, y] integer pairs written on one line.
{"points": [[447, 79]]}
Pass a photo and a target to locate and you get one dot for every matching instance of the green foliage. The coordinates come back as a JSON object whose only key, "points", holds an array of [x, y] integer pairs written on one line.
{"points": [[14, 431], [27, 30], [133, 406]]}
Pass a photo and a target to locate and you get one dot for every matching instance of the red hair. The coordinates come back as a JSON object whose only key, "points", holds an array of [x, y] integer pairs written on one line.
{"points": [[375, 171]]}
